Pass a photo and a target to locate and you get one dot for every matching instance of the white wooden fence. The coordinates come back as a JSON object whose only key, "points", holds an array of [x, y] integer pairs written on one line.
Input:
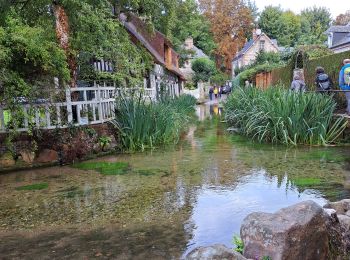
{"points": [[91, 105]]}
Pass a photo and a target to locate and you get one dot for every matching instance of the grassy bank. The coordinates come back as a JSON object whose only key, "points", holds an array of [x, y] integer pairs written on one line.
{"points": [[145, 125], [280, 116]]}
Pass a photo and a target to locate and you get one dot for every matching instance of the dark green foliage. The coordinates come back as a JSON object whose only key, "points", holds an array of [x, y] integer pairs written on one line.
{"points": [[37, 186], [269, 21], [268, 57], [145, 125], [314, 22], [280, 116], [204, 69], [283, 75], [238, 243], [105, 168], [219, 78]]}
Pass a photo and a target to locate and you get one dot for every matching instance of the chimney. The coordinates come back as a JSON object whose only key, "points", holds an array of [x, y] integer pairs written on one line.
{"points": [[255, 36], [189, 43]]}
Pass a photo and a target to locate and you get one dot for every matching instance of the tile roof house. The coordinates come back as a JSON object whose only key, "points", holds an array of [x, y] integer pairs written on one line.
{"points": [[339, 38], [195, 53], [165, 75], [247, 55]]}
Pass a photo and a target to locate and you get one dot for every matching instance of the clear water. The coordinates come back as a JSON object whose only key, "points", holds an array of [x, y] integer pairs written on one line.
{"points": [[169, 201]]}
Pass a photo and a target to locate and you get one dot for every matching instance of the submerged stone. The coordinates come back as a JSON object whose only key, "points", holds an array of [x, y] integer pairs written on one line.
{"points": [[214, 252]]}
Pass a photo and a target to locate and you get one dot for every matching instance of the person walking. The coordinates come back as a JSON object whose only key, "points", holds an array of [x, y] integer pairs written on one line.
{"points": [[220, 91], [344, 81], [211, 90], [323, 82], [298, 85], [216, 91]]}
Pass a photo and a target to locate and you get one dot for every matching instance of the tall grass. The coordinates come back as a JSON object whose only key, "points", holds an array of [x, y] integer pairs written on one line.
{"points": [[144, 124], [279, 116]]}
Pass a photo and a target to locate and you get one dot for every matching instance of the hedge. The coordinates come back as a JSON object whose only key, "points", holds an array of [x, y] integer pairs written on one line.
{"points": [[282, 75], [331, 63]]}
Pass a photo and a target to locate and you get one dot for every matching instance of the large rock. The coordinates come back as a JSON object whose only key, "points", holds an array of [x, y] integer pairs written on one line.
{"points": [[47, 156], [214, 252], [6, 160], [296, 232], [340, 206], [27, 156]]}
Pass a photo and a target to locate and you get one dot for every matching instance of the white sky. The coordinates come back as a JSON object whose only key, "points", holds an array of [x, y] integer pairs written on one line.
{"points": [[336, 7]]}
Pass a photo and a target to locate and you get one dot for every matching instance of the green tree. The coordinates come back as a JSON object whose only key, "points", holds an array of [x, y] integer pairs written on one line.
{"points": [[314, 22], [190, 23], [204, 69], [269, 21], [289, 29]]}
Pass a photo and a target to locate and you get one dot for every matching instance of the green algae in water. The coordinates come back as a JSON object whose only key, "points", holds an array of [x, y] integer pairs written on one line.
{"points": [[302, 182], [105, 168], [36, 186], [324, 156]]}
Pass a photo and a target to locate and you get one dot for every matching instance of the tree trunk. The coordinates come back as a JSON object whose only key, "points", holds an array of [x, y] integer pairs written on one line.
{"points": [[62, 34]]}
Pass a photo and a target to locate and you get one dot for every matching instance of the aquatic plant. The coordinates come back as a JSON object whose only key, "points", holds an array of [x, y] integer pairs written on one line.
{"points": [[238, 242], [144, 124], [36, 186], [104, 141], [280, 116], [105, 168]]}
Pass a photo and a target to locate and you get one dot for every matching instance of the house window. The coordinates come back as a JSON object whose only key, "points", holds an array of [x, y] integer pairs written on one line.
{"points": [[262, 45]]}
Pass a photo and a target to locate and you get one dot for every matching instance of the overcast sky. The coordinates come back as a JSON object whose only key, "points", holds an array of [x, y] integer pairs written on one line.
{"points": [[336, 7]]}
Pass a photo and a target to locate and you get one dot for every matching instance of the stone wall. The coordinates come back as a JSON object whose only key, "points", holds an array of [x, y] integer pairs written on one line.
{"points": [[56, 146]]}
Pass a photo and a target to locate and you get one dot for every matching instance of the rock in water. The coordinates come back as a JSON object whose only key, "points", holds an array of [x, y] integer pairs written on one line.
{"points": [[215, 252], [47, 156], [296, 232]]}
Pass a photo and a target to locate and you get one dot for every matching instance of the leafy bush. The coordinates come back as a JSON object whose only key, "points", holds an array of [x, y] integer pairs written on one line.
{"points": [[219, 78], [204, 69], [280, 116], [268, 57], [143, 125]]}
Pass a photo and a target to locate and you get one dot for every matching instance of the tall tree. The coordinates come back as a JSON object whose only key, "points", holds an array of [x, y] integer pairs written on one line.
{"points": [[343, 19], [314, 22], [229, 20], [269, 21], [190, 23], [289, 28]]}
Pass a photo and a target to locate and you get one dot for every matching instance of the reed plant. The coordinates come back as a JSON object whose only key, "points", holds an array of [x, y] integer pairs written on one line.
{"points": [[278, 115], [144, 124]]}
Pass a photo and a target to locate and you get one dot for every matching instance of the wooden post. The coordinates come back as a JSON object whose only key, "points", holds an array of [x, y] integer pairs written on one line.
{"points": [[69, 105], [100, 114]]}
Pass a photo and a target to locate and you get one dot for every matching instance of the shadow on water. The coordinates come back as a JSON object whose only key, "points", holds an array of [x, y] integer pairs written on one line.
{"points": [[161, 204]]}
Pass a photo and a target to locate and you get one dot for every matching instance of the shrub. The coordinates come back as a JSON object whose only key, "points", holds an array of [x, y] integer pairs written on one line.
{"points": [[204, 69], [280, 116], [143, 125]]}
